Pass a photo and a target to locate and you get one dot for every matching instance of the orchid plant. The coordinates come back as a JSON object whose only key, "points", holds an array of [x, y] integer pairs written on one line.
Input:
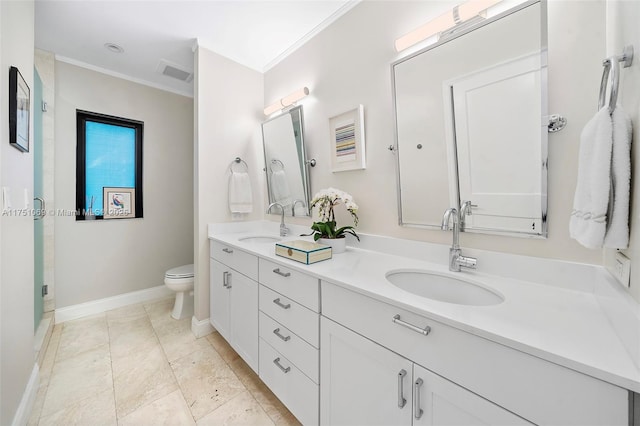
{"points": [[326, 200]]}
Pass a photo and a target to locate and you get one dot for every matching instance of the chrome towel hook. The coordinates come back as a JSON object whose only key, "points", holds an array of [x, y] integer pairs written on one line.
{"points": [[611, 65]]}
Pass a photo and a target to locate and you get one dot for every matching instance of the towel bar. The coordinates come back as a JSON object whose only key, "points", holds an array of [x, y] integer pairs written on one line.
{"points": [[239, 160], [611, 65]]}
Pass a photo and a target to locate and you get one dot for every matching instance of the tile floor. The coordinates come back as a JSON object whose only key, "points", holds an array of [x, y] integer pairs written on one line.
{"points": [[138, 366]]}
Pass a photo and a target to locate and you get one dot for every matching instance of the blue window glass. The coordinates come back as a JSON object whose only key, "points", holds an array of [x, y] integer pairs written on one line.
{"points": [[108, 155], [110, 161]]}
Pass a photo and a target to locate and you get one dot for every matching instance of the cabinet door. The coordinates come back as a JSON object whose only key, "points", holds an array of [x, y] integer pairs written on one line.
{"points": [[362, 382], [243, 315], [438, 401], [219, 297]]}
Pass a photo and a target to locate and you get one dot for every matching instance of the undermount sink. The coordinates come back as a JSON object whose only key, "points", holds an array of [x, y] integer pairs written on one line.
{"points": [[444, 288], [260, 239]]}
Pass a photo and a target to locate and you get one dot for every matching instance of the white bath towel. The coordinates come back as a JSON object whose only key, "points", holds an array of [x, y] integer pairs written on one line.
{"points": [[617, 235], [240, 195], [280, 188], [589, 217]]}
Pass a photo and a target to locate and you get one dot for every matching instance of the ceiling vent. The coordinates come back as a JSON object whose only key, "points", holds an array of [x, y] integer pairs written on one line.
{"points": [[173, 70]]}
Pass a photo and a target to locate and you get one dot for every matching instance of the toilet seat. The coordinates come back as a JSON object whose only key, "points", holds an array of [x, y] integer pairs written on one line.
{"points": [[180, 272]]}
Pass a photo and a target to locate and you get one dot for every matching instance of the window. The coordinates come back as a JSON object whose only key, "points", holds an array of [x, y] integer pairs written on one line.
{"points": [[109, 154]]}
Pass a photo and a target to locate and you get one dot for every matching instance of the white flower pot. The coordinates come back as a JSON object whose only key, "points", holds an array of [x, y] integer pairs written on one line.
{"points": [[338, 245]]}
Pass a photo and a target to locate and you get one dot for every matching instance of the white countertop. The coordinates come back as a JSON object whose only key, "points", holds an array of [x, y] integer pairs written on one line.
{"points": [[561, 325]]}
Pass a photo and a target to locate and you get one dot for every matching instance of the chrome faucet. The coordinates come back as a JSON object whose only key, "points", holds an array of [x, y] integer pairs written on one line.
{"points": [[456, 259], [465, 210], [283, 229], [293, 207]]}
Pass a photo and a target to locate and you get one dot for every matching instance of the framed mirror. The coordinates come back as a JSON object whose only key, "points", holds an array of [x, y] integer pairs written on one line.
{"points": [[286, 162], [470, 126]]}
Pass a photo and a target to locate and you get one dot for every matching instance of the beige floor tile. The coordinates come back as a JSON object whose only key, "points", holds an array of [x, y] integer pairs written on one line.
{"points": [[222, 347], [159, 308], [142, 378], [243, 409], [97, 409], [81, 335], [126, 313], [170, 410], [130, 337], [76, 378], [206, 381], [37, 405], [176, 337], [50, 354]]}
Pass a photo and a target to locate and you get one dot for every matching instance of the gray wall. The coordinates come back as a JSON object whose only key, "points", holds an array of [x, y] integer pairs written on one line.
{"points": [[98, 259], [16, 233]]}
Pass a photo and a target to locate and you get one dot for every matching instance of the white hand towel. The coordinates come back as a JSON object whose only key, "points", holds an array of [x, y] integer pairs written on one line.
{"points": [[280, 188], [240, 195], [589, 217], [617, 235]]}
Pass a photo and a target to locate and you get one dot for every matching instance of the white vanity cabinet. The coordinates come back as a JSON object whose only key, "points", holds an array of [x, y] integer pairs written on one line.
{"points": [[365, 383], [234, 299], [475, 372], [289, 338]]}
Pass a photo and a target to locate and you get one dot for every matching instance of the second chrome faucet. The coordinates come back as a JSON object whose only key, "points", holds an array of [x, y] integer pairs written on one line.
{"points": [[456, 260]]}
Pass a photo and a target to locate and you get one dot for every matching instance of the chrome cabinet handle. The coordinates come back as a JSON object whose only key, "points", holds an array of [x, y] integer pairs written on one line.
{"points": [[279, 303], [282, 274], [226, 279], [285, 370], [277, 333], [417, 411], [425, 331], [227, 250], [401, 399]]}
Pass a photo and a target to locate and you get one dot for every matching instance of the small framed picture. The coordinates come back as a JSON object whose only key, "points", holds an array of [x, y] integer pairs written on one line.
{"points": [[119, 203], [19, 100], [347, 140]]}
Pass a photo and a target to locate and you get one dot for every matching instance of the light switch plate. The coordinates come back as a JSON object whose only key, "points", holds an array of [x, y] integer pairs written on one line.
{"points": [[27, 200], [6, 198], [619, 266]]}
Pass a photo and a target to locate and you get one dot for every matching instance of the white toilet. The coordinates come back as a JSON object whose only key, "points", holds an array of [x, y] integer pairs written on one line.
{"points": [[180, 280]]}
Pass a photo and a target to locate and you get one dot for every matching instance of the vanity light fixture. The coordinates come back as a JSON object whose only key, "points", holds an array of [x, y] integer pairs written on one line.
{"points": [[456, 16], [288, 100]]}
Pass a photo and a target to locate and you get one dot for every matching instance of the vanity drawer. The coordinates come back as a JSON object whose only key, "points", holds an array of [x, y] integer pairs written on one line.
{"points": [[302, 321], [300, 287], [239, 260], [302, 354], [298, 393], [539, 391]]}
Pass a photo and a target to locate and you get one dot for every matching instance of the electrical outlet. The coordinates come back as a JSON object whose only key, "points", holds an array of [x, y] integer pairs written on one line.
{"points": [[619, 266]]}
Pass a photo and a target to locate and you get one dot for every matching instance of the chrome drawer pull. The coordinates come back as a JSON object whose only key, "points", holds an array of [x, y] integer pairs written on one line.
{"points": [[227, 250], [285, 370], [401, 400], [277, 333], [279, 303], [425, 331], [283, 274], [417, 411], [226, 279]]}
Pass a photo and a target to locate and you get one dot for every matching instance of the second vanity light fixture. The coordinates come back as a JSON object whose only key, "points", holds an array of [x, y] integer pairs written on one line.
{"points": [[288, 100], [458, 15]]}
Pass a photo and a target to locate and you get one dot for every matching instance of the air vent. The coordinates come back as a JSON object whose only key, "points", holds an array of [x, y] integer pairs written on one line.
{"points": [[174, 71]]}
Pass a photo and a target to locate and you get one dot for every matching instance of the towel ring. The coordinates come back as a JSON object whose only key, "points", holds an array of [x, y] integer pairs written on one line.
{"points": [[277, 163], [611, 65], [240, 161]]}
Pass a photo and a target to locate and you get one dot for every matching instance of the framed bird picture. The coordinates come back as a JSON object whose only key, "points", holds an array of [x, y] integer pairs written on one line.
{"points": [[119, 203]]}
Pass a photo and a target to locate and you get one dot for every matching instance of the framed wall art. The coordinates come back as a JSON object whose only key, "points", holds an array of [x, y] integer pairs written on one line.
{"points": [[347, 140], [19, 100], [119, 203]]}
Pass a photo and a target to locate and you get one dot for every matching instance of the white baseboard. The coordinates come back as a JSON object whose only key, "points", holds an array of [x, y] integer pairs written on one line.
{"points": [[28, 398], [201, 328], [102, 305]]}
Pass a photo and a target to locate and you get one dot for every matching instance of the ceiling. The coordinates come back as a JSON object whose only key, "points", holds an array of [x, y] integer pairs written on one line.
{"points": [[257, 34]]}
